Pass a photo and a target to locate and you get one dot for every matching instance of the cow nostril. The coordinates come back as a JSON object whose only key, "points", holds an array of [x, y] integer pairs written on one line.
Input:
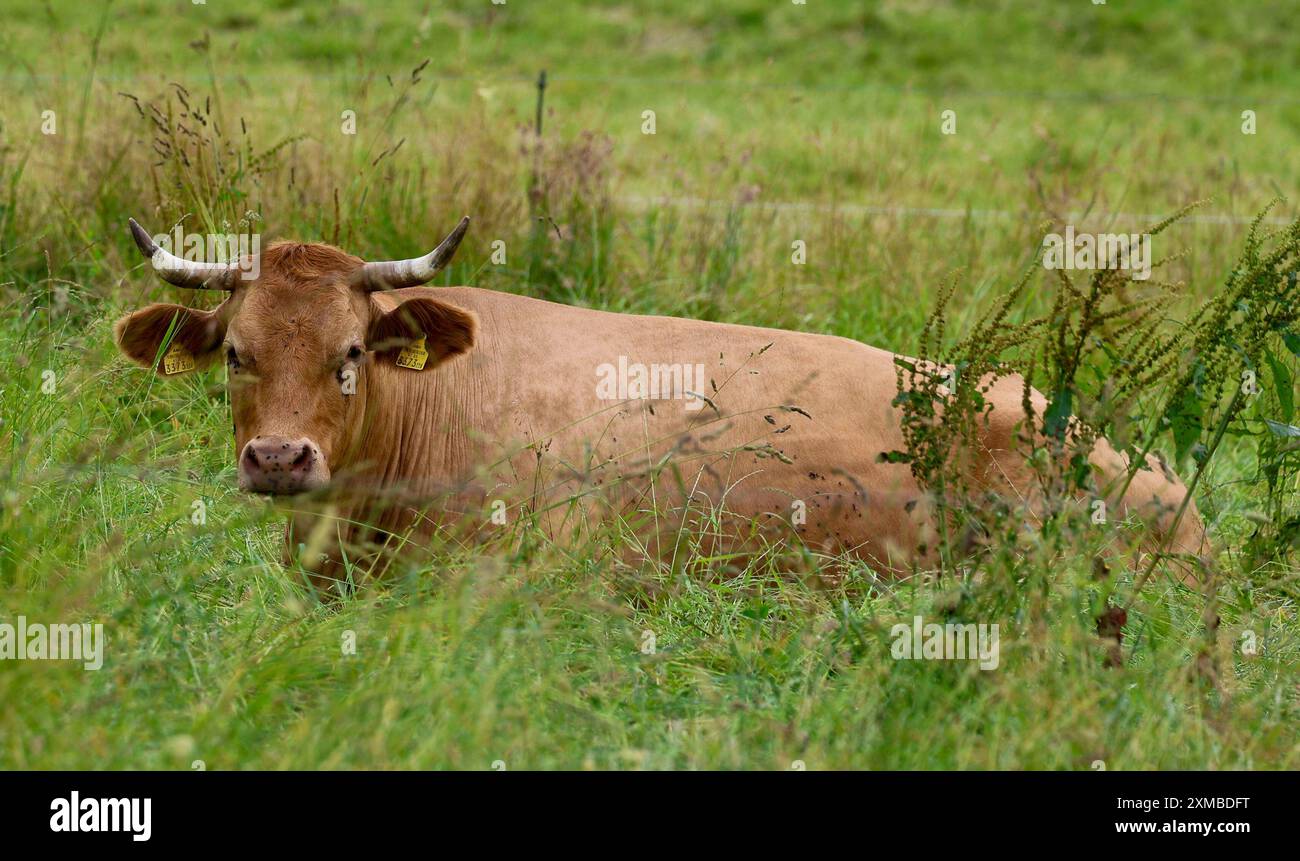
{"points": [[274, 464]]}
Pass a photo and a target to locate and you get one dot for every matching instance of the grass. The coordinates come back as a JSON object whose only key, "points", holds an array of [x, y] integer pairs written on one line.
{"points": [[774, 122]]}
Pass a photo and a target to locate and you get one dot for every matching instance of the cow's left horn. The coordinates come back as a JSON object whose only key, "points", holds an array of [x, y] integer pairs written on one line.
{"points": [[181, 272], [394, 274]]}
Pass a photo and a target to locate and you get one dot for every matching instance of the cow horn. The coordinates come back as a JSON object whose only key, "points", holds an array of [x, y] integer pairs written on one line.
{"points": [[181, 272], [394, 274]]}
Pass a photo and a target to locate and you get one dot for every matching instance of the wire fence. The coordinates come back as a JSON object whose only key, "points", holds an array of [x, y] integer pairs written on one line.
{"points": [[976, 214], [1102, 96]]}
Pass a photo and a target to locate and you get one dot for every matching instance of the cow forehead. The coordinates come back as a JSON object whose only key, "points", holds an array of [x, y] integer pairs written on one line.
{"points": [[298, 315]]}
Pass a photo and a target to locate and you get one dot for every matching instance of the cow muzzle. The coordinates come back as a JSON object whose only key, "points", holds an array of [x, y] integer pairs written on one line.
{"points": [[282, 466]]}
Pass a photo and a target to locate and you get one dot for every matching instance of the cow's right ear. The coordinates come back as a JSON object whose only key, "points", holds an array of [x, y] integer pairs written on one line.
{"points": [[170, 338]]}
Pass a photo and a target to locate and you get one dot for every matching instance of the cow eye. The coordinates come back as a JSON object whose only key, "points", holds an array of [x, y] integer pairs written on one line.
{"points": [[232, 358], [355, 354]]}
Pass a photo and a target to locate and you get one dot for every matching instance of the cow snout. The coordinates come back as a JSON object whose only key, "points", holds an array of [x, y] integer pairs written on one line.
{"points": [[278, 465]]}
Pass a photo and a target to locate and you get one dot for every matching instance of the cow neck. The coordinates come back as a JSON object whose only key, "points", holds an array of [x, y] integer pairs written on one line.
{"points": [[412, 430]]}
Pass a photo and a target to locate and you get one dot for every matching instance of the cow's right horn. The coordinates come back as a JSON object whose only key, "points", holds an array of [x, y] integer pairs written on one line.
{"points": [[414, 271], [181, 272]]}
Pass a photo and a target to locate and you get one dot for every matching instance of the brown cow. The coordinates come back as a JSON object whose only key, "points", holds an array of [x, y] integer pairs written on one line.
{"points": [[513, 405]]}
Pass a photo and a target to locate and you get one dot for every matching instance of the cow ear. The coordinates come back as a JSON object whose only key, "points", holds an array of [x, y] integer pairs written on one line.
{"points": [[447, 331], [170, 338]]}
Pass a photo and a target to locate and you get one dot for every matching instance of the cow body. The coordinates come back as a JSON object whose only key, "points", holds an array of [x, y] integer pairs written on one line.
{"points": [[788, 443]]}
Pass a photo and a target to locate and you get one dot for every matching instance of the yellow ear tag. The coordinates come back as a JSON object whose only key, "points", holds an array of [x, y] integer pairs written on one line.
{"points": [[177, 360], [413, 356]]}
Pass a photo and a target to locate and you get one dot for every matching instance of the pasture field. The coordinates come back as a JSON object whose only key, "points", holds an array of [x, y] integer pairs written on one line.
{"points": [[773, 122]]}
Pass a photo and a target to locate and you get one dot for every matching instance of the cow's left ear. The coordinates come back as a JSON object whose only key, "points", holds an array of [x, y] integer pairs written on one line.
{"points": [[447, 331]]}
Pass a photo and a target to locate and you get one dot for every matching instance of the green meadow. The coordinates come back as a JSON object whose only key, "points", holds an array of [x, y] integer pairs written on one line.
{"points": [[377, 126]]}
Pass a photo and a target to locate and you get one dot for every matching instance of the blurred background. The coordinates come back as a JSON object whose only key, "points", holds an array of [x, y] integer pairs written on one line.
{"points": [[772, 121]]}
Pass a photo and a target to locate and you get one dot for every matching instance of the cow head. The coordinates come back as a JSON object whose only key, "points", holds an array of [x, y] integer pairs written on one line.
{"points": [[298, 341]]}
